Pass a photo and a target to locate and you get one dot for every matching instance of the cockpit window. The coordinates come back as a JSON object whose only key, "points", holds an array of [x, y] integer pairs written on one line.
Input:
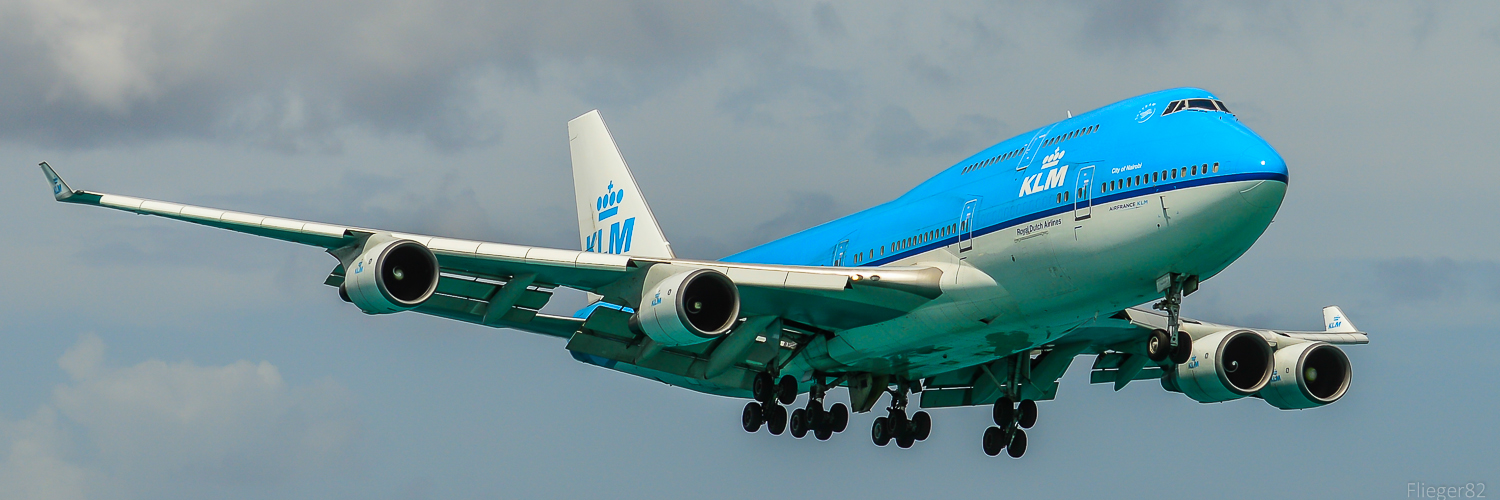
{"points": [[1198, 104]]}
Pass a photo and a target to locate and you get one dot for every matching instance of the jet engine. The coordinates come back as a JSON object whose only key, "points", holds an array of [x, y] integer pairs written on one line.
{"points": [[1227, 365], [391, 276], [1307, 375], [688, 308]]}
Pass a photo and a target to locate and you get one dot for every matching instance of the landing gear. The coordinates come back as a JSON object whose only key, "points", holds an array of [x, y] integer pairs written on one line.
{"points": [[906, 431], [764, 409], [1009, 420], [1177, 345], [767, 409]]}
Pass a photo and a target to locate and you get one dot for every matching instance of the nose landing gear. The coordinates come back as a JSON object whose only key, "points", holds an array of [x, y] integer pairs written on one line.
{"points": [[1172, 342]]}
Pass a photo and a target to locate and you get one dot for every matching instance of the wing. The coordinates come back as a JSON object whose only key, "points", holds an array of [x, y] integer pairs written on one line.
{"points": [[503, 285]]}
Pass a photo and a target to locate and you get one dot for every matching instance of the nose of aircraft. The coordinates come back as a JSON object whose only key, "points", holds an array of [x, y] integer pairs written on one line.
{"points": [[1270, 168]]}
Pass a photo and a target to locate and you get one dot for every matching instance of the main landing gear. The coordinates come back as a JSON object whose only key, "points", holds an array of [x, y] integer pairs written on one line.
{"points": [[1007, 434], [1172, 342], [906, 431], [767, 409]]}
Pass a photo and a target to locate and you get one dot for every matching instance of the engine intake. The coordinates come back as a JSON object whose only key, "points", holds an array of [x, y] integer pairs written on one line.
{"points": [[1307, 375], [688, 308], [1227, 365], [391, 276]]}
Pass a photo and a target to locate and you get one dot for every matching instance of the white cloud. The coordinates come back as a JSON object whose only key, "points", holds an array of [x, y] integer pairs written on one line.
{"points": [[174, 430]]}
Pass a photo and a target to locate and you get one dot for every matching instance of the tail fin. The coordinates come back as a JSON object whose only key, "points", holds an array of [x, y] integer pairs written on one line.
{"points": [[1337, 321], [612, 213]]}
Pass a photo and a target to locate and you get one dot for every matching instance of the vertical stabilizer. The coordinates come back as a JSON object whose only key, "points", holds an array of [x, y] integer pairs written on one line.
{"points": [[612, 213], [1337, 321]]}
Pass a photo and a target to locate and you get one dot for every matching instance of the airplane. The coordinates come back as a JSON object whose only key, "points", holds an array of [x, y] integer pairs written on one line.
{"points": [[978, 287]]}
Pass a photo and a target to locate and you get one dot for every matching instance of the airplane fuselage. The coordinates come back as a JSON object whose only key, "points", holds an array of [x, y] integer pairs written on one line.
{"points": [[1044, 232]]}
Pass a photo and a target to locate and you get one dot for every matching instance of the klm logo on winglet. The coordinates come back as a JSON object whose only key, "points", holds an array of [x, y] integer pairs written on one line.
{"points": [[56, 186], [608, 206], [1053, 178], [1337, 322]]}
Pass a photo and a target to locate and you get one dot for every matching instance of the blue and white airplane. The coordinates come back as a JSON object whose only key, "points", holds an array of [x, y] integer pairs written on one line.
{"points": [[976, 288]]}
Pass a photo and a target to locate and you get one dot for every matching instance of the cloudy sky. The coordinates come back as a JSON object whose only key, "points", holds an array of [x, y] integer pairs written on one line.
{"points": [[143, 358]]}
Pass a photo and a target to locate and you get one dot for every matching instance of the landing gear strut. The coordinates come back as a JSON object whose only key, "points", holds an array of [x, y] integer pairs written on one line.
{"points": [[906, 431], [1172, 342]]}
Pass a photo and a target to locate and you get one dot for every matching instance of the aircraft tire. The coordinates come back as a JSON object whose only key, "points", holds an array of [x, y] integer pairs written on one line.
{"points": [[905, 440], [1028, 414], [786, 390], [1017, 444], [1157, 345], [1005, 411], [776, 419], [839, 417], [799, 423], [751, 418], [823, 432], [1184, 348], [763, 387], [921, 424], [994, 441], [880, 432]]}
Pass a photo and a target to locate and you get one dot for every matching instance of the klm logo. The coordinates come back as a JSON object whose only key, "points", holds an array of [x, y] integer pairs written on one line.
{"points": [[56, 186], [1337, 322], [1042, 181], [1193, 362], [1275, 376], [607, 207]]}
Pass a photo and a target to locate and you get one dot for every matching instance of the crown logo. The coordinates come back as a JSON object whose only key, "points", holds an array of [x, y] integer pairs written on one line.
{"points": [[609, 204]]}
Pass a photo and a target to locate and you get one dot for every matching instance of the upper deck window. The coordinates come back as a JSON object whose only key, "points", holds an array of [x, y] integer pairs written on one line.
{"points": [[1198, 104]]}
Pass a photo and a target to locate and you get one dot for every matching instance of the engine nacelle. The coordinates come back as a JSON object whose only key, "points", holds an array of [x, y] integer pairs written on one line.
{"points": [[391, 276], [1227, 365], [688, 308], [1307, 375]]}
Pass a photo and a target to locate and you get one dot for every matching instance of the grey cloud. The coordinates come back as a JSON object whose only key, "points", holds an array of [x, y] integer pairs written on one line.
{"points": [[174, 430], [896, 134], [291, 75], [1417, 279], [827, 20]]}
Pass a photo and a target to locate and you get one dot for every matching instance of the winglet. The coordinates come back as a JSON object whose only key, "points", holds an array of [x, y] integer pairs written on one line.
{"points": [[612, 213], [1337, 321], [60, 189]]}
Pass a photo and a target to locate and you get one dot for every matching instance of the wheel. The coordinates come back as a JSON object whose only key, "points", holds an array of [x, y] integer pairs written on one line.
{"points": [[1157, 345], [905, 440], [776, 419], [880, 432], [816, 417], [1005, 411], [751, 418], [763, 387], [897, 424], [786, 391], [994, 441], [798, 423], [921, 425], [1184, 348], [1017, 444], [823, 432], [1028, 414], [839, 417]]}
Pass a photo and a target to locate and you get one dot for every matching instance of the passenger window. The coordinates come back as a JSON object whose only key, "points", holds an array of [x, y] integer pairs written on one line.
{"points": [[1195, 170], [1216, 167]]}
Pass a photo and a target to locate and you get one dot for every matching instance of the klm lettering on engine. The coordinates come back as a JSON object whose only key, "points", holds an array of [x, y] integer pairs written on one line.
{"points": [[1048, 178], [607, 207]]}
